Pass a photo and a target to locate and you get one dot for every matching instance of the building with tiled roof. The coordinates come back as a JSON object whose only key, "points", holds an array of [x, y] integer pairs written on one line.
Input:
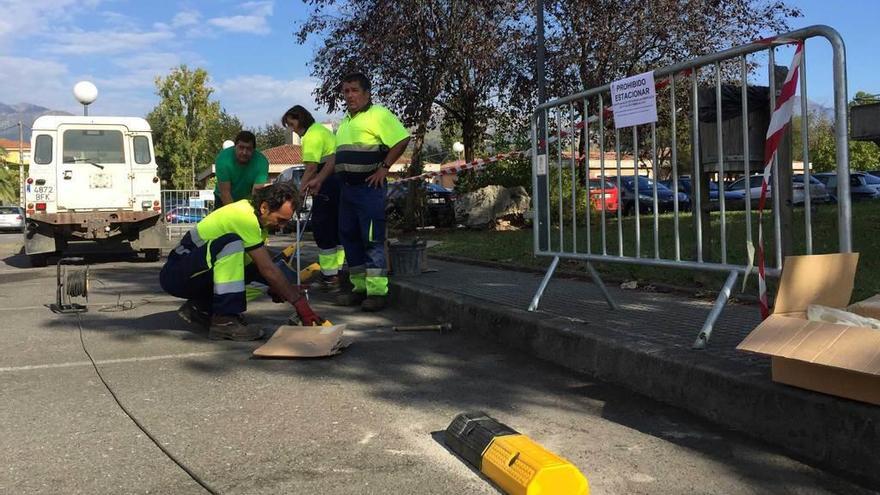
{"points": [[10, 153]]}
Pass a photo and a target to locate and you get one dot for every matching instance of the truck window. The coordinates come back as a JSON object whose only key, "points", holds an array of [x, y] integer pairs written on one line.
{"points": [[43, 151], [141, 150], [93, 145]]}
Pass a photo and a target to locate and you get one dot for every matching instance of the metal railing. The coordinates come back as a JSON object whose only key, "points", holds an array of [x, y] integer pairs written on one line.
{"points": [[182, 209], [565, 132]]}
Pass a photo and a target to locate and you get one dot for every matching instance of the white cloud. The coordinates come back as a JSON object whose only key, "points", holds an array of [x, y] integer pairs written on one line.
{"points": [[35, 16], [42, 82], [261, 99], [186, 18], [253, 20], [104, 42]]}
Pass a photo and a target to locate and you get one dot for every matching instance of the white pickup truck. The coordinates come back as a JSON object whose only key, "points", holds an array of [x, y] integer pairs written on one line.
{"points": [[92, 179]]}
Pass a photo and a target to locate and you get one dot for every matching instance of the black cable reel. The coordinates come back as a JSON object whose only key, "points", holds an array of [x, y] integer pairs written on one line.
{"points": [[70, 283]]}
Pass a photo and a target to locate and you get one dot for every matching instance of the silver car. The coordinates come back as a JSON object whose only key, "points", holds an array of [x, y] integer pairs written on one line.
{"points": [[818, 192], [11, 218]]}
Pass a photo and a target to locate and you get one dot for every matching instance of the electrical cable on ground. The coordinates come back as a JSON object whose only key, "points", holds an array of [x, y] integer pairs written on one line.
{"points": [[149, 435]]}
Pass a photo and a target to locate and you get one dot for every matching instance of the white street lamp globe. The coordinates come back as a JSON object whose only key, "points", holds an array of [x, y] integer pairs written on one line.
{"points": [[457, 147], [85, 92], [228, 144]]}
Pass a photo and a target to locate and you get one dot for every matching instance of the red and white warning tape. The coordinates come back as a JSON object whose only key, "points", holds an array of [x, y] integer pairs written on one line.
{"points": [[780, 119], [455, 169]]}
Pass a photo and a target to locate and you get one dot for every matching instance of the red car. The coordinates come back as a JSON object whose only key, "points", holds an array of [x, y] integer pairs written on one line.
{"points": [[611, 200]]}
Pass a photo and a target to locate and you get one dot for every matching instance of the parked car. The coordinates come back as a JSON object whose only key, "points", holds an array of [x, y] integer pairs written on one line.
{"points": [[645, 200], [861, 185], [818, 192], [686, 185], [875, 173], [439, 202], [610, 202], [11, 218], [186, 214]]}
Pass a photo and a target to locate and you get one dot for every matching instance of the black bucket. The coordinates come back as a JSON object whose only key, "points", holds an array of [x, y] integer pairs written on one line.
{"points": [[406, 257]]}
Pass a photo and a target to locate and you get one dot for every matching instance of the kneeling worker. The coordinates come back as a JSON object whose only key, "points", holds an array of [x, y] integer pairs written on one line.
{"points": [[216, 258]]}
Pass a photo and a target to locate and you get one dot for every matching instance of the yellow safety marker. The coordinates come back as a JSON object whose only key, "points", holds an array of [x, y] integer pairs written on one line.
{"points": [[308, 272], [514, 462], [289, 250], [519, 466]]}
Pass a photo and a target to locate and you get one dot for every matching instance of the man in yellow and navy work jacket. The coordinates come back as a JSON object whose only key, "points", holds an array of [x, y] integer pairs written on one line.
{"points": [[318, 152], [369, 140], [216, 258]]}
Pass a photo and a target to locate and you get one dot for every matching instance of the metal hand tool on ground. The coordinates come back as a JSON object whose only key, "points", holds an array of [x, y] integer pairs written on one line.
{"points": [[443, 328]]}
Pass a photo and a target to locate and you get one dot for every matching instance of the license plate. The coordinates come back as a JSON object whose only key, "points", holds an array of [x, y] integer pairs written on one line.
{"points": [[100, 181], [436, 201], [43, 193]]}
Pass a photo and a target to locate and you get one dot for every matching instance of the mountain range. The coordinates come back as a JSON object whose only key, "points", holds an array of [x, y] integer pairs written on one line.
{"points": [[27, 113]]}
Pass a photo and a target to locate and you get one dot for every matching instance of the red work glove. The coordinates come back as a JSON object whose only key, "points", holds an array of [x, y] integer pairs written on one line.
{"points": [[305, 313]]}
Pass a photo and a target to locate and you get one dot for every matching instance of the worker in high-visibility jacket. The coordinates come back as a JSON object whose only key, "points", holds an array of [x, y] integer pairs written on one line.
{"points": [[211, 264], [318, 147], [369, 140]]}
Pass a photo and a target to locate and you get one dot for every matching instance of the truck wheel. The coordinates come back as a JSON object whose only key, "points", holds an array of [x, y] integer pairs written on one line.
{"points": [[152, 255], [38, 260]]}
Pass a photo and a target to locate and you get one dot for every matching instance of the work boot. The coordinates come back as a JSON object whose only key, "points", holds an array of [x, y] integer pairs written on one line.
{"points": [[374, 303], [190, 313], [350, 299], [328, 283], [232, 328], [345, 281]]}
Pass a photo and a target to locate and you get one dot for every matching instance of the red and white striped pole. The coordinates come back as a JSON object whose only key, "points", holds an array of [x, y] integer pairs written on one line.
{"points": [[780, 119]]}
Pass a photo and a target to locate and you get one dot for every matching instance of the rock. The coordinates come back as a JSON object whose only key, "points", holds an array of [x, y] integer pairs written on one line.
{"points": [[481, 208]]}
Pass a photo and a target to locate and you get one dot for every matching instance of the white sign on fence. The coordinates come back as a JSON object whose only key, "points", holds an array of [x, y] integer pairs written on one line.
{"points": [[634, 100]]}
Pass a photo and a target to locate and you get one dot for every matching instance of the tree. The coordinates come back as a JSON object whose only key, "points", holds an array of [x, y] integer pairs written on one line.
{"points": [[270, 136], [183, 123], [9, 187], [593, 42], [225, 129], [863, 155]]}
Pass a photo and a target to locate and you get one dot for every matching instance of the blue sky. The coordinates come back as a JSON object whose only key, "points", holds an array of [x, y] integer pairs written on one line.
{"points": [[248, 48]]}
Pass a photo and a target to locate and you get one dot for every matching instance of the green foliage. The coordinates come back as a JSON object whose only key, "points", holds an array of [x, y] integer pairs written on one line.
{"points": [[507, 173], [9, 186], [224, 129], [270, 136], [183, 124], [863, 155]]}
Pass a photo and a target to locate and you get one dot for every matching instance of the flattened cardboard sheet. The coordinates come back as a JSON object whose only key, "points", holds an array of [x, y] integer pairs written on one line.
{"points": [[299, 342]]}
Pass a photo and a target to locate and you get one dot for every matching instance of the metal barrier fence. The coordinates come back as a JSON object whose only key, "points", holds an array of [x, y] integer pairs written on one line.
{"points": [[181, 209], [575, 214]]}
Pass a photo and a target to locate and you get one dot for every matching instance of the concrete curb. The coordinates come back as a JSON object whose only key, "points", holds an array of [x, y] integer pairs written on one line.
{"points": [[837, 434]]}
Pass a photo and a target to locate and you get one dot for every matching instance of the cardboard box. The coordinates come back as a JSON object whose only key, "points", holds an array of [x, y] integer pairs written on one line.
{"points": [[834, 359]]}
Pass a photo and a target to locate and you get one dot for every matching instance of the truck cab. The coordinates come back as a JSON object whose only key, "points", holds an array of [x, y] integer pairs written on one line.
{"points": [[92, 179]]}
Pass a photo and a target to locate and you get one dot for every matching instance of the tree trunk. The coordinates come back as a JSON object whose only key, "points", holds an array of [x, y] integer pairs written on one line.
{"points": [[414, 197]]}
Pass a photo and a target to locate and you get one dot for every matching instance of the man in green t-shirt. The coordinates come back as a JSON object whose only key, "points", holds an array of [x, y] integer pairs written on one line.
{"points": [[214, 261], [239, 170]]}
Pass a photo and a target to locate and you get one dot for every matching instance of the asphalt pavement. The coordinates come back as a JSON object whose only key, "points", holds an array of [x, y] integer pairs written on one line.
{"points": [[366, 421]]}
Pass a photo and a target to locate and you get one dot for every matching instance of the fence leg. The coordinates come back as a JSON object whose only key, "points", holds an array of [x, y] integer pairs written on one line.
{"points": [[535, 300], [720, 302], [598, 281]]}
